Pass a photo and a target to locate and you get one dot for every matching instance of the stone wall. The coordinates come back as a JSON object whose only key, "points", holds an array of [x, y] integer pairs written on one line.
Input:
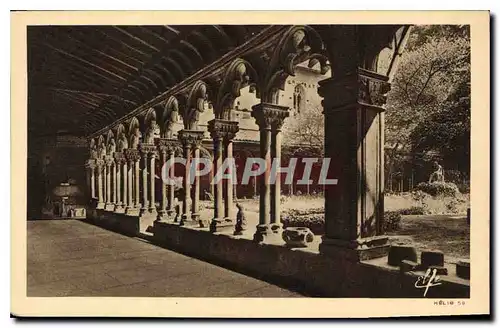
{"points": [[53, 160]]}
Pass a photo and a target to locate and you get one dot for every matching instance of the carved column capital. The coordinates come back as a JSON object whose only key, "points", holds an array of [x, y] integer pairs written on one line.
{"points": [[190, 138], [132, 155], [270, 116], [361, 87], [223, 129], [119, 158], [109, 160], [167, 146], [90, 164]]}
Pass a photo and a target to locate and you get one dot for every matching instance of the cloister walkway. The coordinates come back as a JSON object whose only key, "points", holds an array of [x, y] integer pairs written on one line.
{"points": [[74, 258]]}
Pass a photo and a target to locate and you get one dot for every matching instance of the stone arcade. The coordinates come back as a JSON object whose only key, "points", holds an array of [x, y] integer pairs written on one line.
{"points": [[201, 70]]}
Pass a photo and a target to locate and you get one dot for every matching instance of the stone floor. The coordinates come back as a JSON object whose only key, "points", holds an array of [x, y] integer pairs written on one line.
{"points": [[74, 258]]}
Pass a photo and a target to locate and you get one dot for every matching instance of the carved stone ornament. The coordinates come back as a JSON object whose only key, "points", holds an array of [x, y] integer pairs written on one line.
{"points": [[119, 157], [132, 155], [238, 75], [122, 143], [148, 149], [191, 138], [223, 129], [359, 87], [297, 236], [90, 163], [298, 44], [167, 145], [270, 116]]}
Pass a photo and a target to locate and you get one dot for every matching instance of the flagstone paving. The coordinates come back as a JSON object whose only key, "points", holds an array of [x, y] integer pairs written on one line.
{"points": [[74, 258]]}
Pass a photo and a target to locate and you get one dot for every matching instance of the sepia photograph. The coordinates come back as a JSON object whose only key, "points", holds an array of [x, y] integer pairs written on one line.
{"points": [[227, 161]]}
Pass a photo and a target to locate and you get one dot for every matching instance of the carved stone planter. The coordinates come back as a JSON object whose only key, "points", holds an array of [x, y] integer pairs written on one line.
{"points": [[297, 236]]}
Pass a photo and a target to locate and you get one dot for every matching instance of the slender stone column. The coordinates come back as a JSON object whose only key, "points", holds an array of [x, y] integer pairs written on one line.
{"points": [[353, 106], [196, 188], [109, 205], [126, 204], [100, 191], [276, 187], [130, 187], [152, 182], [137, 173], [92, 182], [186, 215], [119, 159], [114, 182], [145, 200], [229, 193], [221, 131], [171, 188], [268, 117], [162, 211], [190, 140]]}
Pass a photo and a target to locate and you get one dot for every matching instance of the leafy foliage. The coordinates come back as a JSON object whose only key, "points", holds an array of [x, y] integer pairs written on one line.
{"points": [[428, 108], [392, 221], [438, 188], [306, 131]]}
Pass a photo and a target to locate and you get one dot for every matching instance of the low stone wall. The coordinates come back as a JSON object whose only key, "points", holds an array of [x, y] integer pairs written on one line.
{"points": [[124, 224], [302, 269]]}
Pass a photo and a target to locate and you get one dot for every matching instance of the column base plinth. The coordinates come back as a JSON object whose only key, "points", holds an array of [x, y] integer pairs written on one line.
{"points": [[132, 211], [109, 207], [162, 216], [100, 206], [268, 233], [143, 210], [119, 209], [185, 219], [218, 225], [356, 250]]}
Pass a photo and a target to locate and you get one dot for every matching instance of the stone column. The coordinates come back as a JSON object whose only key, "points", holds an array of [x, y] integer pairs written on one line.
{"points": [[125, 190], [100, 192], [114, 190], [109, 204], [171, 188], [195, 216], [130, 186], [276, 155], [354, 140], [119, 159], [221, 131], [268, 115], [90, 164], [145, 200], [152, 183], [137, 173], [190, 139], [186, 214], [228, 193], [162, 211]]}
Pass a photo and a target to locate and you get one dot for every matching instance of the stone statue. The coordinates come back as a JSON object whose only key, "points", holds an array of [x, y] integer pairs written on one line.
{"points": [[112, 147], [438, 174], [134, 141], [241, 222], [122, 143]]}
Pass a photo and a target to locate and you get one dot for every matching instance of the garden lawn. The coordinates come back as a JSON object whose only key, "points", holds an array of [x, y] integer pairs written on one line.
{"points": [[447, 233]]}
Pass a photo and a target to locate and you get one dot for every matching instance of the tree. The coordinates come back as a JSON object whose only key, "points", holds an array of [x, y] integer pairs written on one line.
{"points": [[304, 133], [436, 62]]}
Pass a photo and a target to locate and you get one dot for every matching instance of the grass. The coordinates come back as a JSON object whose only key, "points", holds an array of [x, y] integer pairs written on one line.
{"points": [[449, 234]]}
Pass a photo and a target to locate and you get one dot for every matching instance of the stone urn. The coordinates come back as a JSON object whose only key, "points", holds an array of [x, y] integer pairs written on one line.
{"points": [[297, 236]]}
